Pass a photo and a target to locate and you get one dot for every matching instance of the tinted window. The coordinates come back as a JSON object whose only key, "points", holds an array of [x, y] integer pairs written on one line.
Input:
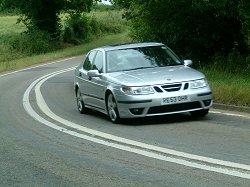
{"points": [[89, 61], [98, 62], [142, 57]]}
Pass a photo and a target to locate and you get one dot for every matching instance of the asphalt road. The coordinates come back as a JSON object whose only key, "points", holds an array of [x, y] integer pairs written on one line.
{"points": [[44, 141]]}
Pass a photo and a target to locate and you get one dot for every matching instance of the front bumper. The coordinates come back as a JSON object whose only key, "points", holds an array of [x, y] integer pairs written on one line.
{"points": [[131, 106]]}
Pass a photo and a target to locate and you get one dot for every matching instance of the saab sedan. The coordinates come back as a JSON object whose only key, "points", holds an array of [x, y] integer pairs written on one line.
{"points": [[138, 80]]}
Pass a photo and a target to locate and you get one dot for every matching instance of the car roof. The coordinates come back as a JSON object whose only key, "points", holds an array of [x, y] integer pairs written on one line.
{"points": [[129, 45]]}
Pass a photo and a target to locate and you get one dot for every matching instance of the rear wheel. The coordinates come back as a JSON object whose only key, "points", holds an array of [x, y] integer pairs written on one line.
{"points": [[80, 104], [112, 109], [200, 113]]}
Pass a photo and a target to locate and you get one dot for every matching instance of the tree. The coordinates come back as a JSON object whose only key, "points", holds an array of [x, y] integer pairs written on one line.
{"points": [[44, 14], [122, 3], [194, 28]]}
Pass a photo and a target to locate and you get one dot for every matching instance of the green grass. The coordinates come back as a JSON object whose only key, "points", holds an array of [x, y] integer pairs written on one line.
{"points": [[229, 88], [8, 25]]}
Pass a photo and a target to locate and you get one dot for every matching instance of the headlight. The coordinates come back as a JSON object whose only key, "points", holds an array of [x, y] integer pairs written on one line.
{"points": [[198, 83], [144, 90]]}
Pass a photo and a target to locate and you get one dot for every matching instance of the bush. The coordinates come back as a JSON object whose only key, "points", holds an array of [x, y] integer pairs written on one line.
{"points": [[94, 26], [7, 8], [103, 7], [77, 28], [111, 22], [32, 42], [193, 28], [234, 63]]}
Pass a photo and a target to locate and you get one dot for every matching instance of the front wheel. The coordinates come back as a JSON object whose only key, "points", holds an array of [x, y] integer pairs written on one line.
{"points": [[200, 113], [80, 104], [112, 109]]}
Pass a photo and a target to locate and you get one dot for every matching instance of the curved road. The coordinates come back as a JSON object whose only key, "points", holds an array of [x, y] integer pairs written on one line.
{"points": [[44, 141]]}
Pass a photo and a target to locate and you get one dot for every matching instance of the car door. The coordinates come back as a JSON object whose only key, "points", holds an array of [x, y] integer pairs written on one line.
{"points": [[97, 85], [84, 82]]}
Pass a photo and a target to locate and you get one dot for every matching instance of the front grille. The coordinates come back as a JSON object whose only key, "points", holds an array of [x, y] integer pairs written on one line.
{"points": [[158, 89], [186, 86], [172, 87], [174, 107]]}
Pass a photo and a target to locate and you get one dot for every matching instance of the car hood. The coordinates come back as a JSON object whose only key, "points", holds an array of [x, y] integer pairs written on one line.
{"points": [[151, 76]]}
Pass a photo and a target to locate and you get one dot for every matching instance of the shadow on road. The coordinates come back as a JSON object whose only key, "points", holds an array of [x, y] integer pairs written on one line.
{"points": [[154, 120]]}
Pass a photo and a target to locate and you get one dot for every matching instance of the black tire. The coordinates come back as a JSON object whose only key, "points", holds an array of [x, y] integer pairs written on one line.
{"points": [[80, 104], [112, 109], [200, 113]]}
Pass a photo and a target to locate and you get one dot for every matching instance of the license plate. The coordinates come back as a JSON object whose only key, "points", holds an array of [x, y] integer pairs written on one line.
{"points": [[177, 99]]}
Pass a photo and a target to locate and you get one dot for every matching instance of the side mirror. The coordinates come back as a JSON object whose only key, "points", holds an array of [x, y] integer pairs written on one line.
{"points": [[188, 62], [93, 73]]}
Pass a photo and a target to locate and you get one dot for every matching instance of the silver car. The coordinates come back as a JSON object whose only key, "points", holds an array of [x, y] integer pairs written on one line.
{"points": [[138, 80]]}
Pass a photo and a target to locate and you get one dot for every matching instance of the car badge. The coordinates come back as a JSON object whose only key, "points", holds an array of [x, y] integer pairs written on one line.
{"points": [[167, 78]]}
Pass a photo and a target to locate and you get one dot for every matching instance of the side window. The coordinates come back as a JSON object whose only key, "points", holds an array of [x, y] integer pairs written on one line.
{"points": [[89, 61], [98, 62]]}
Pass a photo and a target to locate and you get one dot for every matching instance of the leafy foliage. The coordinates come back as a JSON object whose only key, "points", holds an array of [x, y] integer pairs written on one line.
{"points": [[194, 28], [80, 27], [43, 15], [34, 42], [123, 3], [77, 28]]}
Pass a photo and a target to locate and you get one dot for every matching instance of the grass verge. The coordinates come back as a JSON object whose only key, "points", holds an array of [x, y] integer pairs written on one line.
{"points": [[232, 89], [68, 52]]}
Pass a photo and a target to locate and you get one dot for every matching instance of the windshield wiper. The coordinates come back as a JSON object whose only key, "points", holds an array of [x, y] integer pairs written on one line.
{"points": [[173, 64], [139, 68]]}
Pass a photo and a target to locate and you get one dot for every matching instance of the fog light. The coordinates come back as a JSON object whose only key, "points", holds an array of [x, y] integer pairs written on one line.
{"points": [[136, 111], [207, 102]]}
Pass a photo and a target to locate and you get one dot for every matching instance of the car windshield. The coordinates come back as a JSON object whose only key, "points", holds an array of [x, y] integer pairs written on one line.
{"points": [[140, 58]]}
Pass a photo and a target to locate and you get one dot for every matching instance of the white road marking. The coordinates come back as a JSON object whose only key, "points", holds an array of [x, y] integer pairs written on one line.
{"points": [[230, 114], [182, 158], [33, 67]]}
